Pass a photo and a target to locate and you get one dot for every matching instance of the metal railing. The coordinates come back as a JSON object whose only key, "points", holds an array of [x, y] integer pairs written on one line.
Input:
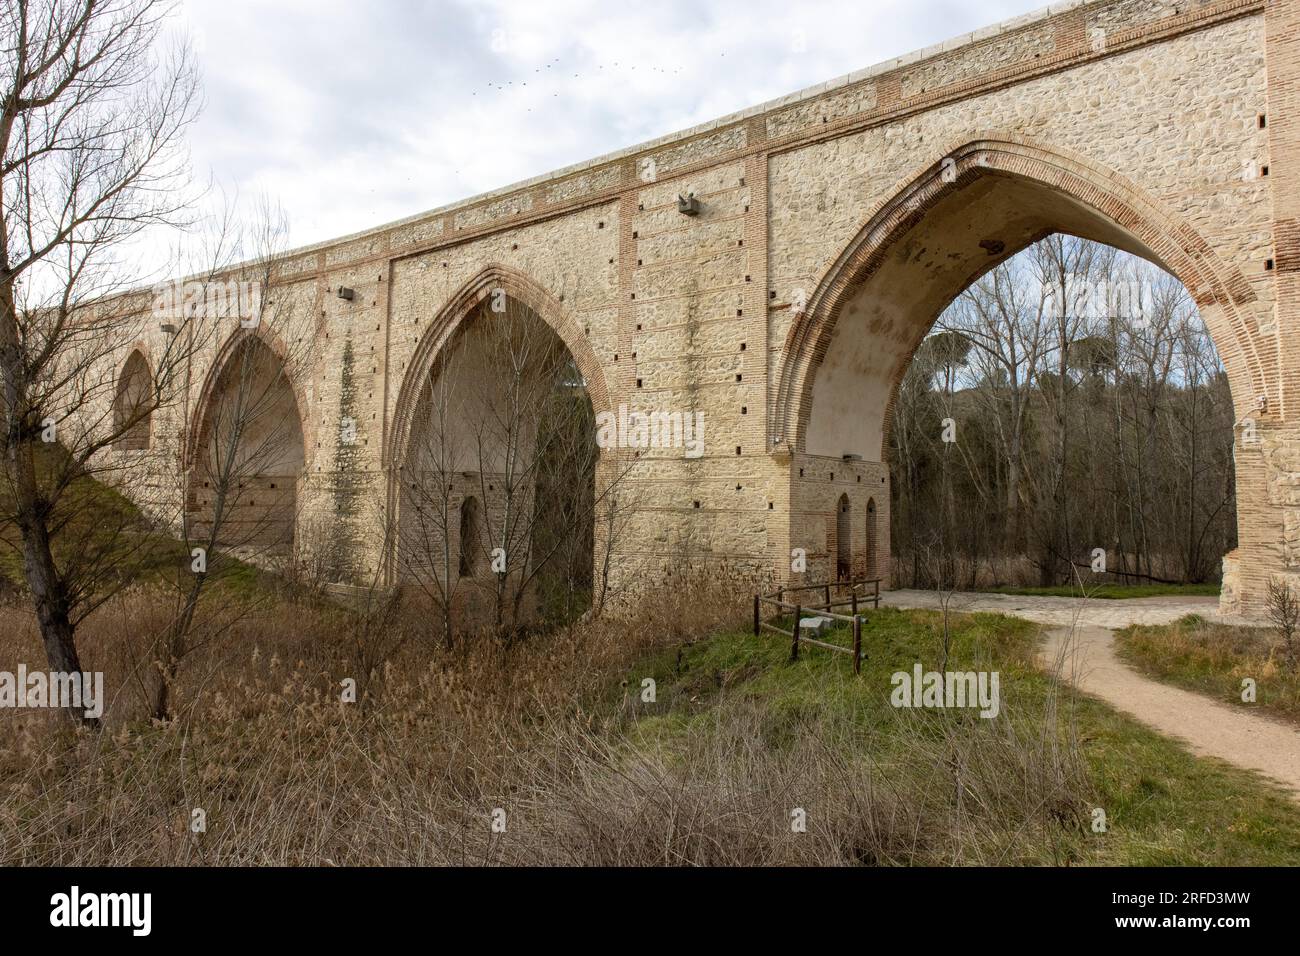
{"points": [[854, 601]]}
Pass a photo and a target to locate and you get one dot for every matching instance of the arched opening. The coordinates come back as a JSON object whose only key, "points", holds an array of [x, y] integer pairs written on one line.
{"points": [[248, 456], [499, 449], [469, 536], [963, 219], [870, 565], [1092, 444], [843, 539], [133, 404]]}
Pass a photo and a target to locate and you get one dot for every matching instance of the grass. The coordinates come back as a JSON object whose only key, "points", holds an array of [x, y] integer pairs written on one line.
{"points": [[1163, 806], [561, 732], [1113, 592], [108, 543], [1213, 659]]}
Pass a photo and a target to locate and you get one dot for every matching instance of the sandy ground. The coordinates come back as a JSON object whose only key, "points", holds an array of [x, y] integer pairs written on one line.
{"points": [[1080, 638]]}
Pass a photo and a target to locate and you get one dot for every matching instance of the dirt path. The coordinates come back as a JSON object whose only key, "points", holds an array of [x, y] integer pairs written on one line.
{"points": [[1080, 635]]}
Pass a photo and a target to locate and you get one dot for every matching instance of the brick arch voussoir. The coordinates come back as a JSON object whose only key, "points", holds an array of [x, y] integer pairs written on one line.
{"points": [[1219, 289]]}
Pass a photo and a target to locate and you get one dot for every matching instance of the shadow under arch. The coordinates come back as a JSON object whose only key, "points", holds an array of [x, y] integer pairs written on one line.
{"points": [[199, 416], [978, 204], [447, 324], [440, 338], [246, 449]]}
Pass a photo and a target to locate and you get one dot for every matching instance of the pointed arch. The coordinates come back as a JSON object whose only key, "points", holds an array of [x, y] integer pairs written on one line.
{"points": [[132, 423], [1117, 210], [843, 539], [440, 340], [447, 323], [246, 450], [238, 339]]}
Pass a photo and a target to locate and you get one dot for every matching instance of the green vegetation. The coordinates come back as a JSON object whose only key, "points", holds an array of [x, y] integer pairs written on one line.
{"points": [[561, 730], [1214, 659], [108, 543], [1163, 805]]}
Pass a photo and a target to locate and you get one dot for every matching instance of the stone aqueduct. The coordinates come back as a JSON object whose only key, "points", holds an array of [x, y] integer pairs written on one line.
{"points": [[834, 226]]}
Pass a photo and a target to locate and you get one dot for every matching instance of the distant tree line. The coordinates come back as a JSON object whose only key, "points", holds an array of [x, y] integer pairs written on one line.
{"points": [[1069, 400]]}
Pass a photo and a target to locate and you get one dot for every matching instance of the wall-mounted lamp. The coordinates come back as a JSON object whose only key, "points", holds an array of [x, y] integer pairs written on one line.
{"points": [[168, 328], [347, 294], [688, 205]]}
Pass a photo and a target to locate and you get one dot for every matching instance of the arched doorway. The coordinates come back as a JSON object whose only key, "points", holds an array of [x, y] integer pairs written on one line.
{"points": [[248, 455], [469, 538], [870, 569], [843, 539], [971, 210]]}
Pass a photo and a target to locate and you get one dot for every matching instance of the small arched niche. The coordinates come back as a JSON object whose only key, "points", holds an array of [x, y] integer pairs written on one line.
{"points": [[133, 405]]}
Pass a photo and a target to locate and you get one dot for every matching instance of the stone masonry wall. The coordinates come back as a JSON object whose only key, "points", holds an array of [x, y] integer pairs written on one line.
{"points": [[1192, 106]]}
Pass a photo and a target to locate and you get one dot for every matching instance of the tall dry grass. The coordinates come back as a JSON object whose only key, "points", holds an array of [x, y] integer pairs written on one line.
{"points": [[284, 772]]}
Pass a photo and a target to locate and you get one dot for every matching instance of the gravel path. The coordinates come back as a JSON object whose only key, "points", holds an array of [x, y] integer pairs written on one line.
{"points": [[1080, 636]]}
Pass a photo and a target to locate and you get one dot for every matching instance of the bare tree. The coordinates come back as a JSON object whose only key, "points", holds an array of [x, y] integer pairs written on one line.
{"points": [[1284, 612], [617, 503], [431, 555], [92, 116], [504, 482], [1067, 269], [1092, 412], [245, 443], [1007, 321]]}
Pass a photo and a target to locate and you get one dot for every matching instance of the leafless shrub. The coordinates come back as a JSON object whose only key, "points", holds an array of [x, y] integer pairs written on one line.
{"points": [[1283, 608]]}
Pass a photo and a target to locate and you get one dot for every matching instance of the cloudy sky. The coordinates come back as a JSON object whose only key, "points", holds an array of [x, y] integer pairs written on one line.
{"points": [[353, 113]]}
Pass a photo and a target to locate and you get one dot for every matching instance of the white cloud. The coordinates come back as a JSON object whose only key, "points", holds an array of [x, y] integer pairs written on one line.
{"points": [[354, 114]]}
